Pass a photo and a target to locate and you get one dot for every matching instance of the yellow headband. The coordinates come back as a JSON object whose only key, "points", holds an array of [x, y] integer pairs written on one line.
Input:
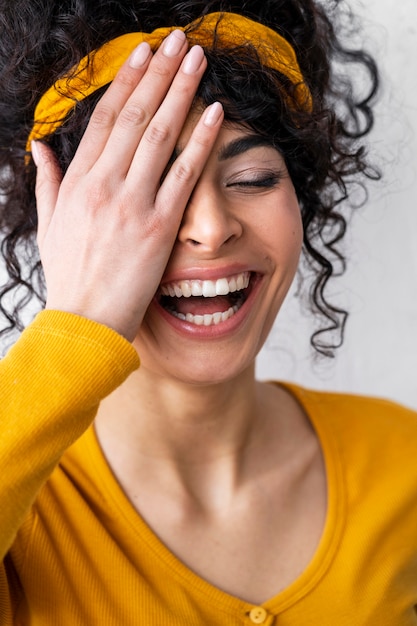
{"points": [[100, 68]]}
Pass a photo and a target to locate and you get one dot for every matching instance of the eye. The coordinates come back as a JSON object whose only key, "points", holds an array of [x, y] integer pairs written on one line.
{"points": [[265, 181], [255, 180]]}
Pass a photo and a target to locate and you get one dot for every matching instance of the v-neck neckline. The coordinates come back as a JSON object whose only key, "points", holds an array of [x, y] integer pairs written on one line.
{"points": [[324, 553]]}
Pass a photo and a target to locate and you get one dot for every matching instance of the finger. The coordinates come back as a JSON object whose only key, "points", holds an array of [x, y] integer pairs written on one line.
{"points": [[183, 175], [48, 181], [108, 108], [161, 135], [112, 104], [163, 73]]}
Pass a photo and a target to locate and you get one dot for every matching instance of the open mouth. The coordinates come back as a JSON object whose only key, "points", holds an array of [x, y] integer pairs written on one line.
{"points": [[206, 302]]}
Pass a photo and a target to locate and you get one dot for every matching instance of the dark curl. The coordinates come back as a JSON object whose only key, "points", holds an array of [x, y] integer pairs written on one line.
{"points": [[323, 149]]}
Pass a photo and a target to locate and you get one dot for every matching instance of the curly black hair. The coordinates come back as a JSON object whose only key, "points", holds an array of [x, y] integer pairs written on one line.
{"points": [[324, 148]]}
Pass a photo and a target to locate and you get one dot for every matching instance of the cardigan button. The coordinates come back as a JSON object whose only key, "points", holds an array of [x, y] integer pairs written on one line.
{"points": [[258, 615]]}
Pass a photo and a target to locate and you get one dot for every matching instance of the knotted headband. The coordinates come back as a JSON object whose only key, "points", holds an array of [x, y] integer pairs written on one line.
{"points": [[100, 67]]}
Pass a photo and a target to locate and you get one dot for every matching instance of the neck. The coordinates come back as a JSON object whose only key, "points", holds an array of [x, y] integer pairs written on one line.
{"points": [[197, 444], [163, 418]]}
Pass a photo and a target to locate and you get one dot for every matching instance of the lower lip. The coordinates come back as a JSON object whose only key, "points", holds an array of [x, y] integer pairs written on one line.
{"points": [[215, 330]]}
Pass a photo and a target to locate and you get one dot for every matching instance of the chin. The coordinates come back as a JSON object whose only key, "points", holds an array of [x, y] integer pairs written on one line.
{"points": [[201, 365], [201, 361]]}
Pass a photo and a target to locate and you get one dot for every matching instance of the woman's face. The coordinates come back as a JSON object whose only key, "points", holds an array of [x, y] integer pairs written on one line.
{"points": [[232, 264]]}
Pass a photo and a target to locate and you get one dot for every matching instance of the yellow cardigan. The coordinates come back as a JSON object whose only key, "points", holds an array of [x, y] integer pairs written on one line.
{"points": [[75, 552]]}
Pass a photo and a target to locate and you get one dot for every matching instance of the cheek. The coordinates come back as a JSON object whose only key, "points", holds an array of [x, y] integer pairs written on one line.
{"points": [[282, 232]]}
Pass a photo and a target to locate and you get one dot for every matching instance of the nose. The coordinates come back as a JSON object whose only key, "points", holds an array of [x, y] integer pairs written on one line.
{"points": [[208, 222]]}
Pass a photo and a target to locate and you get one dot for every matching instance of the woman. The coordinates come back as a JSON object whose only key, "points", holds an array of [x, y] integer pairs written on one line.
{"points": [[173, 198]]}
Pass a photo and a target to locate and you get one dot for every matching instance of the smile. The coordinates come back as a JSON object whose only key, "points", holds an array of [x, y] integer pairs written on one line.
{"points": [[205, 302]]}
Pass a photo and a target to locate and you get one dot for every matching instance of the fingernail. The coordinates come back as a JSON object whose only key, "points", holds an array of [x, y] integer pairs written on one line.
{"points": [[35, 152], [140, 55], [173, 43], [212, 114], [193, 60]]}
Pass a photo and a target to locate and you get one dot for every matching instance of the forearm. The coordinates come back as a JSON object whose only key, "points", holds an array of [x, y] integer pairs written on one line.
{"points": [[51, 383]]}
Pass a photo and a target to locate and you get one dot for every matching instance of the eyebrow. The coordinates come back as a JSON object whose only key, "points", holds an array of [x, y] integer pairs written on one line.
{"points": [[235, 148], [243, 144]]}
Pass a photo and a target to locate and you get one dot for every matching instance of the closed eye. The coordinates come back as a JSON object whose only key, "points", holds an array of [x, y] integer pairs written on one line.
{"points": [[269, 181], [260, 179]]}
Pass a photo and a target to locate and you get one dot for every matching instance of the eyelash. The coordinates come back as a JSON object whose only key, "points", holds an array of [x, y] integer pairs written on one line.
{"points": [[269, 181]]}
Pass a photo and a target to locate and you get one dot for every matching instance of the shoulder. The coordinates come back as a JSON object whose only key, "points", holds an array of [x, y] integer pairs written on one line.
{"points": [[369, 410], [361, 424], [369, 447], [355, 402]]}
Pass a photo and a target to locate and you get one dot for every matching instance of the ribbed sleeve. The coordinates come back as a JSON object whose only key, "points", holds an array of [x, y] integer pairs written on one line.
{"points": [[51, 383]]}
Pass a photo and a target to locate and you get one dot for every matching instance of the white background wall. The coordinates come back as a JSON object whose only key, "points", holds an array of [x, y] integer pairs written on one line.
{"points": [[380, 288]]}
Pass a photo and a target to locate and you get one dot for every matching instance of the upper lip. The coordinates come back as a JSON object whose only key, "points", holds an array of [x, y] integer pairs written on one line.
{"points": [[207, 272]]}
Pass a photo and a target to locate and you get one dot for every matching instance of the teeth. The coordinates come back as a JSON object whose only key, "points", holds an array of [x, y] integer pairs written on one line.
{"points": [[206, 288], [185, 288], [196, 288], [217, 318], [207, 319], [209, 289], [222, 287], [232, 285]]}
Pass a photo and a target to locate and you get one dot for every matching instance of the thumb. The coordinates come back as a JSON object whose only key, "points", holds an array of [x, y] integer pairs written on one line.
{"points": [[48, 181]]}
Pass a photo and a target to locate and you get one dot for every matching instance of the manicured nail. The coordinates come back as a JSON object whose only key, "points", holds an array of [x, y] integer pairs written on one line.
{"points": [[173, 43], [212, 114], [35, 152], [140, 55], [193, 60]]}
